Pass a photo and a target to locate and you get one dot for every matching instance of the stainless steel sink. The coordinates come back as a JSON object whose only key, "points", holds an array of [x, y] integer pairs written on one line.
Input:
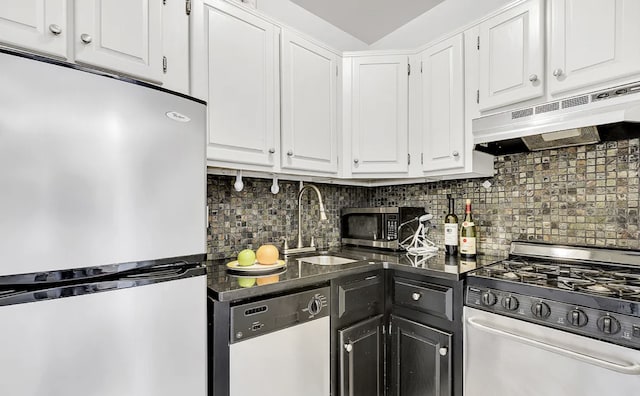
{"points": [[326, 260]]}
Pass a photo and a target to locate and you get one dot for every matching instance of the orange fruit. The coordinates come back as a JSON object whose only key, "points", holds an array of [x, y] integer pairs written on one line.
{"points": [[268, 279], [267, 254]]}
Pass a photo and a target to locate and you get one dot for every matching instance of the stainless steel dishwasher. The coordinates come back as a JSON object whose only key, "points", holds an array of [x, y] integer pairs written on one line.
{"points": [[280, 346]]}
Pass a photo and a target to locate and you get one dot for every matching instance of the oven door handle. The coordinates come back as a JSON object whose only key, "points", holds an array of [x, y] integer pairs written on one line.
{"points": [[629, 369]]}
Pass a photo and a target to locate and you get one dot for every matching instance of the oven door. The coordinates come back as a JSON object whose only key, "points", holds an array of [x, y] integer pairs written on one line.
{"points": [[510, 357]]}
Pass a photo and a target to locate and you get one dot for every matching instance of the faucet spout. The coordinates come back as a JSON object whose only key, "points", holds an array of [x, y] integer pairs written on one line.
{"points": [[323, 215]]}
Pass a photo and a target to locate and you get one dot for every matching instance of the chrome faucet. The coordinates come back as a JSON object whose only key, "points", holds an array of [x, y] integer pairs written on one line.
{"points": [[323, 216]]}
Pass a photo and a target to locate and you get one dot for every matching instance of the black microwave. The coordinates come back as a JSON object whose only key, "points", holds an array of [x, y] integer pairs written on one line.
{"points": [[377, 227]]}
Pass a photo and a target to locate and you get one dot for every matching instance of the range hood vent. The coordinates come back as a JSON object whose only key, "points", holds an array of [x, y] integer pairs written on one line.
{"points": [[605, 115]]}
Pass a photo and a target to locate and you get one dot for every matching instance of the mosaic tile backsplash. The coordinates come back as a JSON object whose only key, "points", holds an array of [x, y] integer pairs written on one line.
{"points": [[255, 216], [585, 195]]}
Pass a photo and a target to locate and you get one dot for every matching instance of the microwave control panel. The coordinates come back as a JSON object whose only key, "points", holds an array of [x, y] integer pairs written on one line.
{"points": [[392, 227]]}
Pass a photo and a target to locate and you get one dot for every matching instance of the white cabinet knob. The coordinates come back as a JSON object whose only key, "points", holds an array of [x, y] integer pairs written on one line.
{"points": [[455, 154], [533, 78], [348, 347], [415, 296], [355, 161], [290, 153], [55, 29], [557, 72], [86, 38], [272, 150], [443, 351]]}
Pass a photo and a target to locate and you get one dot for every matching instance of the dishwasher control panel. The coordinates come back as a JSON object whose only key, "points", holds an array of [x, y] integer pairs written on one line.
{"points": [[265, 316]]}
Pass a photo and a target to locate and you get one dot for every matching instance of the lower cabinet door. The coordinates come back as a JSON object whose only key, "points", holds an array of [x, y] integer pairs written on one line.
{"points": [[362, 358], [420, 362]]}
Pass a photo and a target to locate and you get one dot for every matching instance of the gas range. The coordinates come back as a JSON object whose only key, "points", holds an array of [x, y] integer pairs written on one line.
{"points": [[587, 291]]}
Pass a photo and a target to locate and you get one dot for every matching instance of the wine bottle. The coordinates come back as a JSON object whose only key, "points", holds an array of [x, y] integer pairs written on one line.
{"points": [[451, 230], [468, 234]]}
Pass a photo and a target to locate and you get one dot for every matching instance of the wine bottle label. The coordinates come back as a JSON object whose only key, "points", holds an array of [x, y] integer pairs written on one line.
{"points": [[466, 224], [451, 234], [467, 245]]}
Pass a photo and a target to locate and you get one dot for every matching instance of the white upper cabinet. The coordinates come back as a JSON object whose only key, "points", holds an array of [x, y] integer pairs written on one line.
{"points": [[309, 105], [592, 41], [511, 47], [242, 85], [120, 35], [443, 105], [36, 25], [379, 114]]}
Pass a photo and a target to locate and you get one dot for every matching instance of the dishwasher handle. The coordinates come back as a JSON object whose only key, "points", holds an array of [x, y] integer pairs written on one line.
{"points": [[629, 369]]}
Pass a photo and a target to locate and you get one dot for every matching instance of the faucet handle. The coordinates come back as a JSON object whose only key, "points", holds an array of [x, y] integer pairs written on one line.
{"points": [[286, 243]]}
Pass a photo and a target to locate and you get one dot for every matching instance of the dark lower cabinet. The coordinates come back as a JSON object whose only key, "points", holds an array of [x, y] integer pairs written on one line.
{"points": [[420, 363], [361, 363], [396, 334]]}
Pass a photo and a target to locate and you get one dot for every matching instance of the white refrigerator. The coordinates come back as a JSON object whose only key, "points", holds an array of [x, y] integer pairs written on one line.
{"points": [[102, 234]]}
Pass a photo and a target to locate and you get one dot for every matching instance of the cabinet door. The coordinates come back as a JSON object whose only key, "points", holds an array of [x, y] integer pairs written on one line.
{"points": [[120, 35], [38, 25], [362, 358], [443, 106], [511, 49], [420, 359], [380, 114], [242, 87], [309, 122], [358, 297], [592, 41]]}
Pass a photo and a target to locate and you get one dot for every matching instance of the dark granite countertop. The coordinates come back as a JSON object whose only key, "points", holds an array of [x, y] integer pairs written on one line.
{"points": [[231, 285]]}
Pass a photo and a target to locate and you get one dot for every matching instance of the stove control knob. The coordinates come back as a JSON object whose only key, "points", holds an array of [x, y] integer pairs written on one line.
{"points": [[608, 324], [488, 298], [577, 318], [541, 310], [510, 303]]}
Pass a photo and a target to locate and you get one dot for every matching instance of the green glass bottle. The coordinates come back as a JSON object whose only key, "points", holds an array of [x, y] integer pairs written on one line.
{"points": [[451, 230]]}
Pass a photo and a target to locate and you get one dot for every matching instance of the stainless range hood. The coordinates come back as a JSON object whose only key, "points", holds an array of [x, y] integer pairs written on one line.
{"points": [[605, 115]]}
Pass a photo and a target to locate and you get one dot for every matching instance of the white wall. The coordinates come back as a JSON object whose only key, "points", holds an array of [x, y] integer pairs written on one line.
{"points": [[302, 20], [440, 20]]}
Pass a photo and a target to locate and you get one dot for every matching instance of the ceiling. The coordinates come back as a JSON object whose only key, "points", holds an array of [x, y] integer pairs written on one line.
{"points": [[368, 20]]}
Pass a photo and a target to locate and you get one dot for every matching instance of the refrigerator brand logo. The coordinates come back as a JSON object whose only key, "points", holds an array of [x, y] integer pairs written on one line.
{"points": [[174, 115]]}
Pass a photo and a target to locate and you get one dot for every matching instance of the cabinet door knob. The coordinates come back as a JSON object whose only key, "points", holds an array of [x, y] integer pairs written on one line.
{"points": [[443, 351], [348, 347], [86, 38], [290, 153], [355, 161], [455, 154], [272, 150], [533, 78], [557, 72], [55, 29], [416, 296]]}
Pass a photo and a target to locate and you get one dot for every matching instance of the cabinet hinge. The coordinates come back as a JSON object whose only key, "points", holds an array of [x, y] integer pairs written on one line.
{"points": [[336, 70], [187, 6], [337, 160], [421, 158], [478, 96], [408, 159], [478, 43], [164, 64], [420, 67], [409, 69]]}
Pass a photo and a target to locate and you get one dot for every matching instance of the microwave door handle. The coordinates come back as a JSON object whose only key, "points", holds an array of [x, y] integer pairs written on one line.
{"points": [[630, 369]]}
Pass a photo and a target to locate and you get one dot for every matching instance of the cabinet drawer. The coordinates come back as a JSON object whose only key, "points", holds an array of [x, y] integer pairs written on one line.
{"points": [[360, 297], [429, 298]]}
